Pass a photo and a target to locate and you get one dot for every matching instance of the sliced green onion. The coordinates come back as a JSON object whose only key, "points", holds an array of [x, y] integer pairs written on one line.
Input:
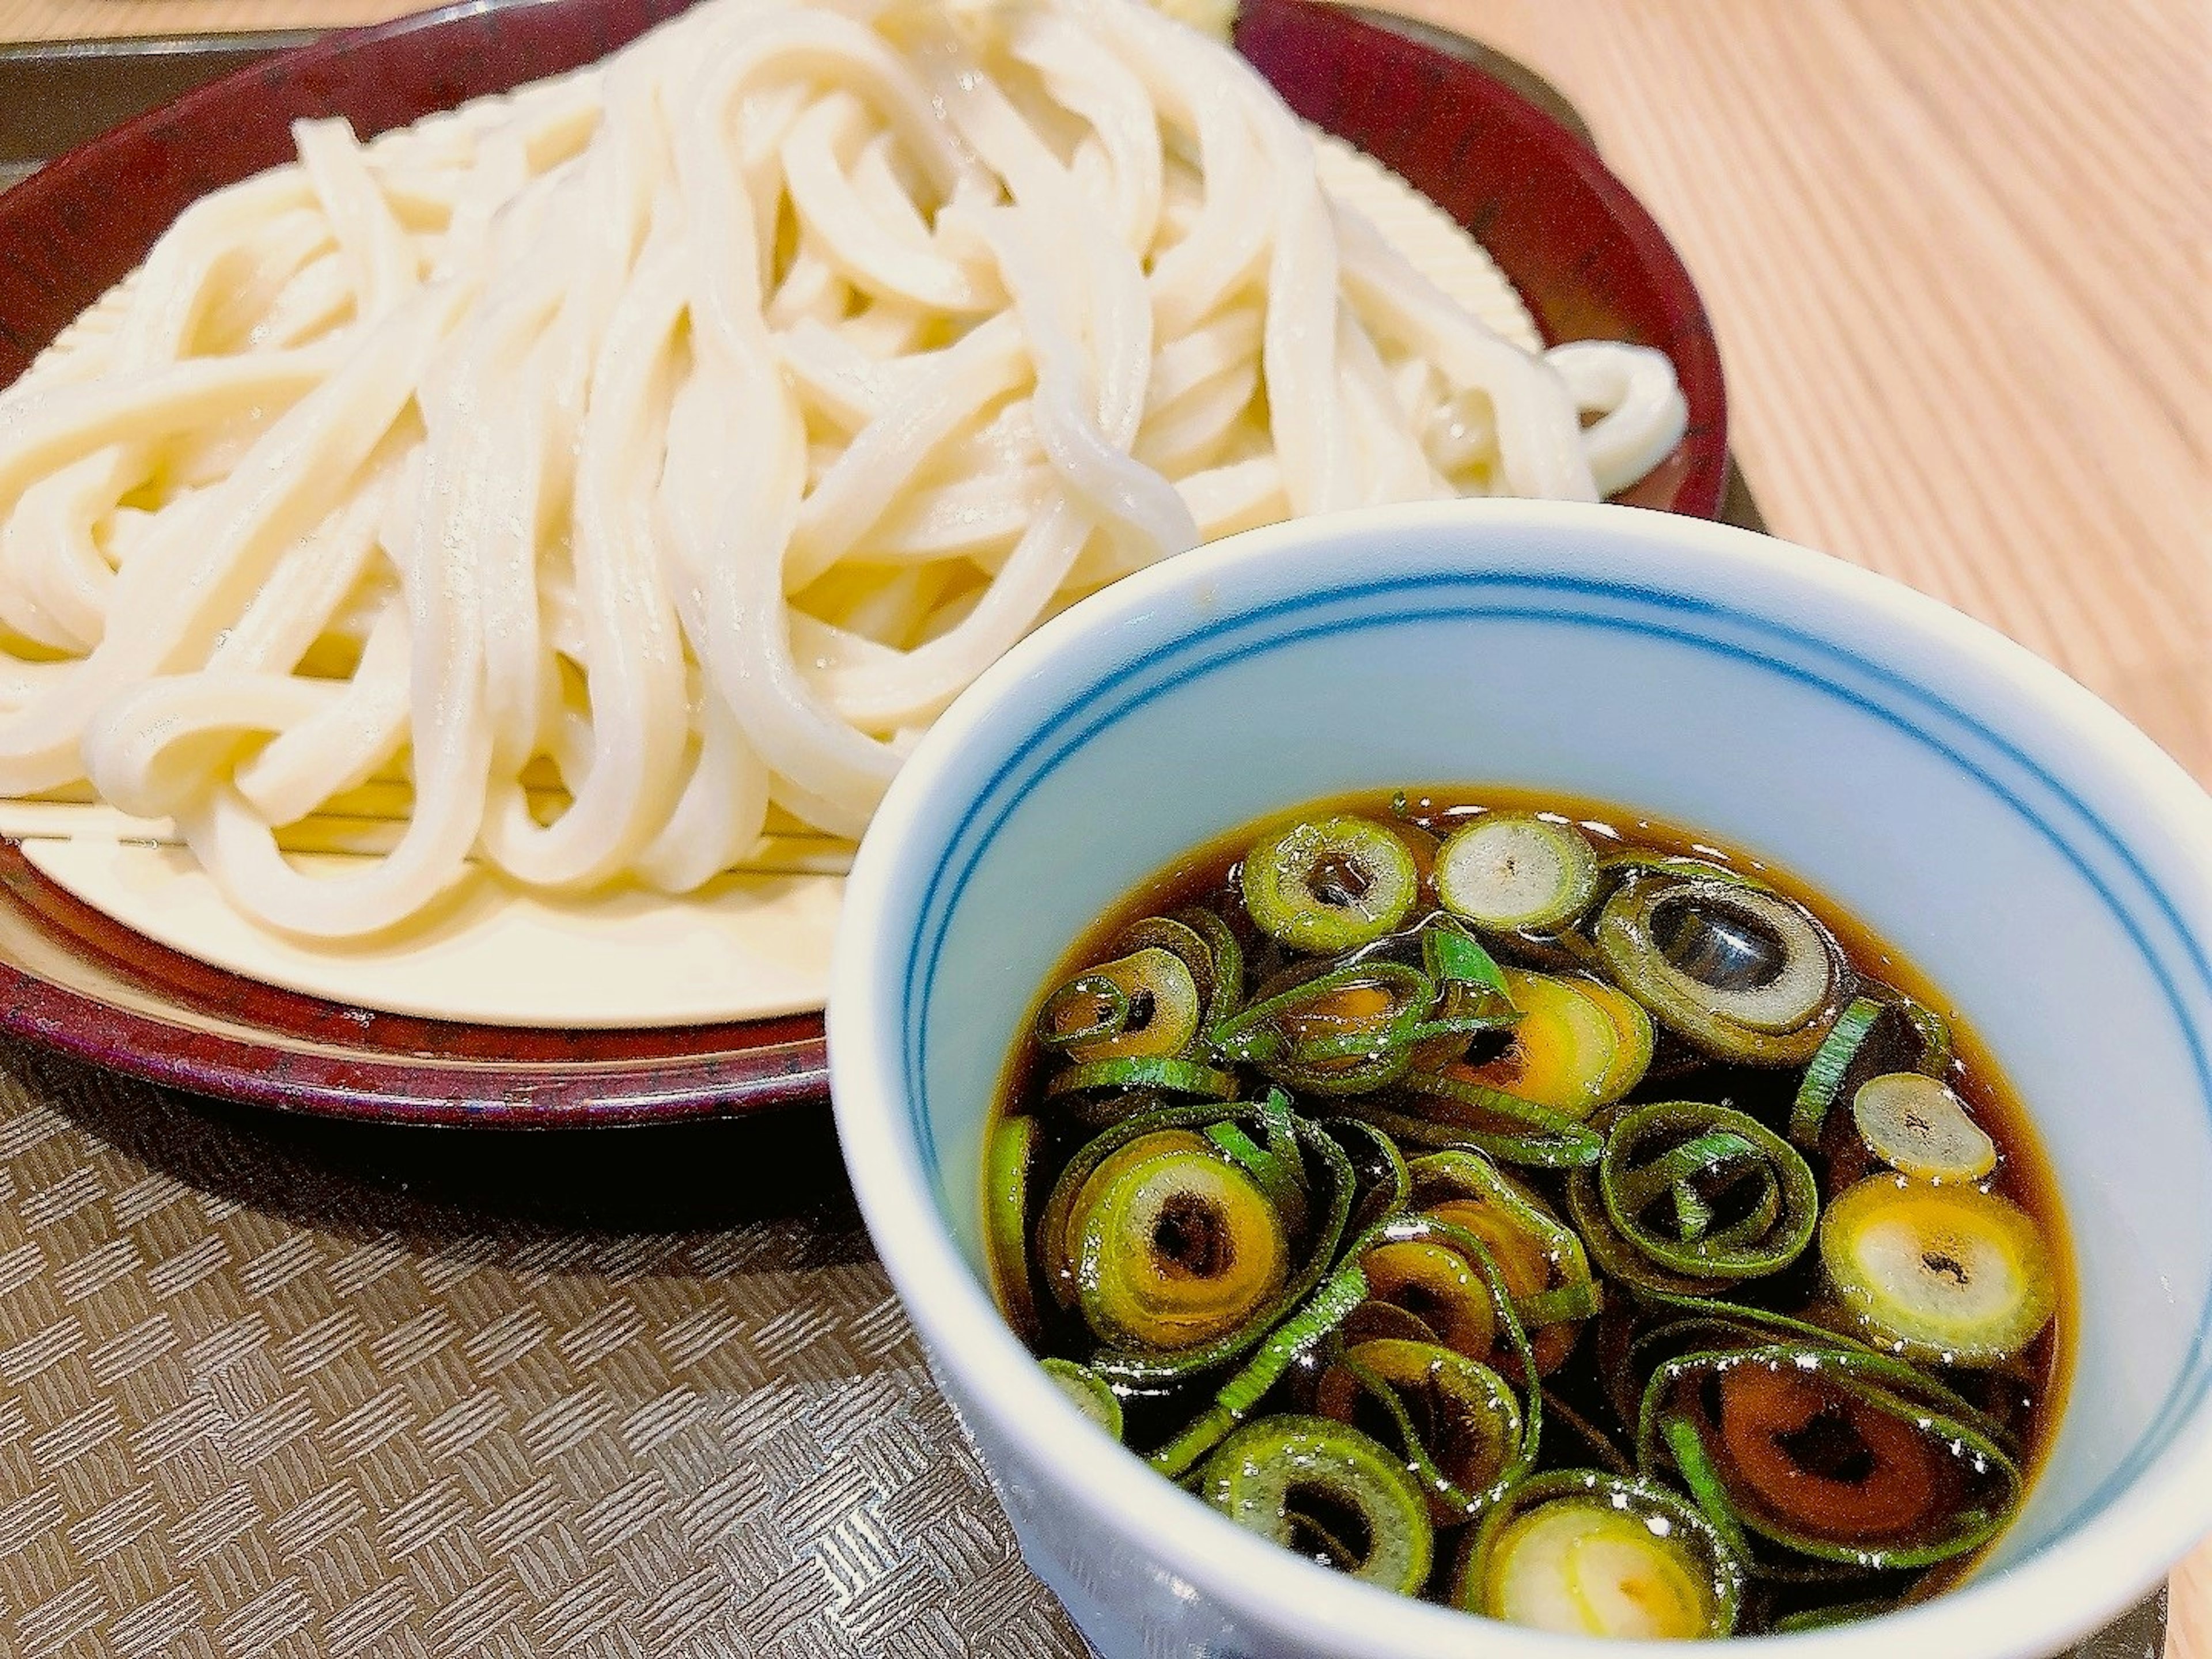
{"points": [[1507, 871], [1634, 1037], [1165, 1008], [1654, 1152], [1316, 1251], [1564, 1052], [1614, 1255], [1328, 886], [1438, 1287], [1007, 1199], [1462, 1438], [1173, 1246], [1348, 1031], [1315, 1321], [1454, 1112], [1179, 1076], [1815, 1455], [1280, 1174], [1379, 1321], [1930, 1032], [1699, 1473], [1092, 1005], [1546, 1272], [1832, 1062], [1945, 1275], [1471, 995], [1586, 1554], [1385, 1187], [1176, 936], [1543, 1277], [1290, 1478], [1638, 863], [1090, 1392], [1568, 951], [1455, 957], [1531, 1150], [1916, 1125], [1579, 1300], [1711, 1322], [1700, 1324], [1053, 1261], [1523, 1357], [1744, 974], [1226, 995]]}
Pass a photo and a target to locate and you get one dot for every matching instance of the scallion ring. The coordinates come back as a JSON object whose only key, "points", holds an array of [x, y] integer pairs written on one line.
{"points": [[1543, 1262], [1173, 1244], [1455, 1420], [1226, 995], [1179, 1077], [1705, 1191], [1744, 974], [1315, 1321], [1090, 1392], [1439, 1287], [1328, 884], [1092, 1005], [1915, 1124], [1565, 1052], [1006, 1187], [1946, 1275], [1328, 1199], [1328, 1492], [1531, 1137], [1808, 1449], [1831, 1063], [1507, 871], [1583, 1553]]}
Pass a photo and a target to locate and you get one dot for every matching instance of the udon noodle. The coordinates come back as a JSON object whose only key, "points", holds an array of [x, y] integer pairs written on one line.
{"points": [[600, 467]]}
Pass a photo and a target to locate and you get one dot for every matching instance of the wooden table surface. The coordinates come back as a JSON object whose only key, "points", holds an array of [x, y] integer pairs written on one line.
{"points": [[1957, 257]]}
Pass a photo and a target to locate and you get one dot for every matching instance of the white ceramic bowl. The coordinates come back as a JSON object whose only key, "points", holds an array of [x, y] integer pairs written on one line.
{"points": [[2039, 859]]}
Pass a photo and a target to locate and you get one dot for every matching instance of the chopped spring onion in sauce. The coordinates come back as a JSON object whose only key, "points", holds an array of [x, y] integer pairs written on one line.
{"points": [[1383, 1170], [1160, 1001], [1566, 1050], [1455, 1422], [1947, 1275], [1329, 1491], [1508, 873], [1092, 1395], [1329, 885], [1583, 1553], [1919, 1127], [1744, 974], [1173, 1244]]}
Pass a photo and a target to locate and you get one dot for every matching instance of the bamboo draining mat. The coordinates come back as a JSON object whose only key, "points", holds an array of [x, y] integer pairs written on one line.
{"points": [[1957, 259]]}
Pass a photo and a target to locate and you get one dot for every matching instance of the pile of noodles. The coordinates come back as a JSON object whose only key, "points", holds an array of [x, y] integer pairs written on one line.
{"points": [[597, 468]]}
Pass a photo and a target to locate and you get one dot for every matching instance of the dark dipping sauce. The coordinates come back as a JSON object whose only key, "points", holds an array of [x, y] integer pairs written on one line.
{"points": [[1300, 1167]]}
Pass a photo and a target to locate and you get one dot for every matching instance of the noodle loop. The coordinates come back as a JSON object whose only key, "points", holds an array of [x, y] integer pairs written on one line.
{"points": [[596, 470]]}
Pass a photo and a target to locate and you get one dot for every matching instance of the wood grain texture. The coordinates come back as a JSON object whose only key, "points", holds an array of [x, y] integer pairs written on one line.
{"points": [[1957, 257]]}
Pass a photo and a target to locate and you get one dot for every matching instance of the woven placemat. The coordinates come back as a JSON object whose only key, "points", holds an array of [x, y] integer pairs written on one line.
{"points": [[270, 1387]]}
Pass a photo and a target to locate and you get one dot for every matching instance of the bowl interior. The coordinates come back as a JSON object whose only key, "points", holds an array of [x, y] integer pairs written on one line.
{"points": [[1960, 800]]}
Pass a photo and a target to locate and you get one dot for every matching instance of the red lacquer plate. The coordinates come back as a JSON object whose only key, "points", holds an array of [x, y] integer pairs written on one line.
{"points": [[1585, 256]]}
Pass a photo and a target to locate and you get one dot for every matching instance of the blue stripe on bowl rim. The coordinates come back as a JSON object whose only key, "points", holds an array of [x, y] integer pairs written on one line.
{"points": [[1495, 596]]}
